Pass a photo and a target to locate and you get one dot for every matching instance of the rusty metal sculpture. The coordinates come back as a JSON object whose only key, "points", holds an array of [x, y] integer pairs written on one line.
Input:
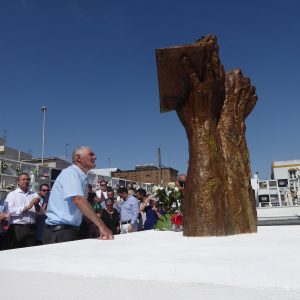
{"points": [[212, 106]]}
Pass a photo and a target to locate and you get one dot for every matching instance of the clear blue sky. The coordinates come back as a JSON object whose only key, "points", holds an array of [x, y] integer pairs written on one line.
{"points": [[92, 63]]}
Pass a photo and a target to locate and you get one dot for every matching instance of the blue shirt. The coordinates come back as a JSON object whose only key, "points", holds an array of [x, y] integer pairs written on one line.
{"points": [[3, 208], [61, 209], [130, 210], [40, 219], [151, 217], [2, 205]]}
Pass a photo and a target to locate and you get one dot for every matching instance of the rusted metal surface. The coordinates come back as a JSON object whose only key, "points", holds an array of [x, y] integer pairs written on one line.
{"points": [[212, 106], [173, 84]]}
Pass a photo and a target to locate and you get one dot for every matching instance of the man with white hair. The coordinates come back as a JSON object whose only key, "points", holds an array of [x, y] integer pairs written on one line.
{"points": [[67, 202]]}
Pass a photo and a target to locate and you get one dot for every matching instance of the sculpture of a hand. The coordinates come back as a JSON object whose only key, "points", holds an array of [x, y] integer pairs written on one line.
{"points": [[240, 100], [212, 106], [200, 114]]}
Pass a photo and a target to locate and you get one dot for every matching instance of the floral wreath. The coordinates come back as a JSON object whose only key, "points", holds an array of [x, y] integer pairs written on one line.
{"points": [[18, 167], [4, 165]]}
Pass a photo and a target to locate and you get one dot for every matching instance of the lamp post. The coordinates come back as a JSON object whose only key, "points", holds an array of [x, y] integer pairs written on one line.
{"points": [[44, 108], [67, 146]]}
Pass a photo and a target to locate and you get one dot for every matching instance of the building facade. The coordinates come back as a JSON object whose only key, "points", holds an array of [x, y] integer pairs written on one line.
{"points": [[51, 162], [148, 174], [283, 189], [10, 153], [288, 169]]}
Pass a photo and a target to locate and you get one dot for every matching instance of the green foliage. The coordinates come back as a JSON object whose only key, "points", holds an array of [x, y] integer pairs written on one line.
{"points": [[170, 199], [164, 223]]}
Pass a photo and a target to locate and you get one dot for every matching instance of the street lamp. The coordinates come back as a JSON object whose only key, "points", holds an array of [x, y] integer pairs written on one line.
{"points": [[44, 108], [67, 145]]}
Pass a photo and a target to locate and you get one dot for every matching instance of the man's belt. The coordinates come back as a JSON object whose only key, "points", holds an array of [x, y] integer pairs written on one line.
{"points": [[28, 225], [126, 222], [62, 227]]}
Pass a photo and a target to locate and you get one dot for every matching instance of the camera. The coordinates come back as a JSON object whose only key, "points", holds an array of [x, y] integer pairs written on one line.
{"points": [[181, 183]]}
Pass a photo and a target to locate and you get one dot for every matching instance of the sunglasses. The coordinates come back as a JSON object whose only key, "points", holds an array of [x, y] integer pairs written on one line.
{"points": [[45, 190]]}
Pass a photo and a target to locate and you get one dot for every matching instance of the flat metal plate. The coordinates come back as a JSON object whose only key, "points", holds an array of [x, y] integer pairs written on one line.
{"points": [[172, 79]]}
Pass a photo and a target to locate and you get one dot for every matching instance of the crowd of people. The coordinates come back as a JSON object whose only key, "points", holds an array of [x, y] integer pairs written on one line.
{"points": [[72, 209]]}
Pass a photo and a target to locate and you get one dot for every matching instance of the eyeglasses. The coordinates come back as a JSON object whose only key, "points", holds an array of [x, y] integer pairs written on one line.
{"points": [[92, 154], [109, 205], [45, 190]]}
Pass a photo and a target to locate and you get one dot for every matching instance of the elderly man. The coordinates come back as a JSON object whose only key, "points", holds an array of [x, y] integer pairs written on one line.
{"points": [[110, 216], [67, 201], [111, 196], [129, 211], [22, 205]]}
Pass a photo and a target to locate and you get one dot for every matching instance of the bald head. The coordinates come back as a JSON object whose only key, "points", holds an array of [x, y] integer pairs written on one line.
{"points": [[182, 177]]}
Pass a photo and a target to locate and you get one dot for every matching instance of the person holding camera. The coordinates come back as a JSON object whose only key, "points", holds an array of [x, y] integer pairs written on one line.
{"points": [[180, 184], [152, 212]]}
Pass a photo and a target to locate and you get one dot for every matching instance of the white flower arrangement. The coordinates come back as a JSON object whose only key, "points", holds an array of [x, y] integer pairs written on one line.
{"points": [[154, 189], [171, 185], [170, 198]]}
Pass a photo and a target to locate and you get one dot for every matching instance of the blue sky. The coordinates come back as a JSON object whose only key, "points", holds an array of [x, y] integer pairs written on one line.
{"points": [[92, 63]]}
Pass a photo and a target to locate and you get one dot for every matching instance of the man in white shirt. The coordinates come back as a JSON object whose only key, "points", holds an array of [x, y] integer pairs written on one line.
{"points": [[22, 204], [102, 193]]}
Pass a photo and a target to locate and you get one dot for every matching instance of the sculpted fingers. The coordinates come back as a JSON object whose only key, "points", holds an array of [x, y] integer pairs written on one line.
{"points": [[241, 93], [222, 71], [248, 97], [190, 71], [252, 99], [210, 73]]}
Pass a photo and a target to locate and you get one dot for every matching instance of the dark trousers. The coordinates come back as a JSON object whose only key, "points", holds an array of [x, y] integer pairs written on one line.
{"points": [[93, 231], [88, 229], [52, 236], [22, 235], [4, 240]]}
